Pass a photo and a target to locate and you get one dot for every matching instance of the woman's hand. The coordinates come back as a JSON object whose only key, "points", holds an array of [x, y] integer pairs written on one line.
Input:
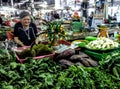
{"points": [[18, 41], [37, 40], [21, 44]]}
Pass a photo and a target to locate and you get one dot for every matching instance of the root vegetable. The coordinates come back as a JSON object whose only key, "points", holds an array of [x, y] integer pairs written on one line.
{"points": [[65, 63], [79, 64], [76, 58], [84, 62], [66, 54], [92, 62]]}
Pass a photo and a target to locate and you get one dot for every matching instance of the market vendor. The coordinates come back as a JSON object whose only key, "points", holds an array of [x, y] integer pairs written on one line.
{"points": [[25, 32]]}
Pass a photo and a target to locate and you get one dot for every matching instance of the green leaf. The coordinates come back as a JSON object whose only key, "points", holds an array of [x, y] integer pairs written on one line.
{"points": [[13, 65], [3, 71], [115, 72], [22, 66], [8, 87]]}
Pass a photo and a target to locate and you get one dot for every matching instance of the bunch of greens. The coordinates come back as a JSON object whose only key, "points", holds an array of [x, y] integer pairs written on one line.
{"points": [[46, 74]]}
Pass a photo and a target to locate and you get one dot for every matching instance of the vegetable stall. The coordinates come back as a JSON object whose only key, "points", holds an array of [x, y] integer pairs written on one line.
{"points": [[67, 70], [90, 63]]}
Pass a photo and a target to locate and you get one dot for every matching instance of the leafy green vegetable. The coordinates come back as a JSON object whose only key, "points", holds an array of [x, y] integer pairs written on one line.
{"points": [[46, 74]]}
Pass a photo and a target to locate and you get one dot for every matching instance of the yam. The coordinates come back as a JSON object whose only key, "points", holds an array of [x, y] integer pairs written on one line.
{"points": [[83, 54], [92, 62], [84, 62], [65, 63], [77, 57], [79, 64], [66, 54]]}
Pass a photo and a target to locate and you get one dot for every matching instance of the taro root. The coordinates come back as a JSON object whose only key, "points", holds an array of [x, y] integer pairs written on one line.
{"points": [[92, 62], [66, 54], [77, 57], [83, 54], [79, 64], [84, 62], [65, 63]]}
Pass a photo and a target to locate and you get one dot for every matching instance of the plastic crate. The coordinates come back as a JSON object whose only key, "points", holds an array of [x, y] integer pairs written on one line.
{"points": [[37, 57]]}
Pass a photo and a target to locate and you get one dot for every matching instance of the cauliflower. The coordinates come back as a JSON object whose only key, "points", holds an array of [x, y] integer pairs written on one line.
{"points": [[102, 43]]}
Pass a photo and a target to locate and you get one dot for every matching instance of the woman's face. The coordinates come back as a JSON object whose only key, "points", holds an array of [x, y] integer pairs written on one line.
{"points": [[26, 21]]}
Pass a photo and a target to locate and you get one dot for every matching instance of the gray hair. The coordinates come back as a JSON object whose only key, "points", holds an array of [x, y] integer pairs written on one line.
{"points": [[24, 14]]}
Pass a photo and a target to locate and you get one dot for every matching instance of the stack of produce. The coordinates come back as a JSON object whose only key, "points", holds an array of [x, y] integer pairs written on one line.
{"points": [[102, 43], [46, 74], [69, 57]]}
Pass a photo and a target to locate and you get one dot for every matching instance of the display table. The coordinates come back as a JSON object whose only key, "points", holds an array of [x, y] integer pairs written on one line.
{"points": [[82, 35]]}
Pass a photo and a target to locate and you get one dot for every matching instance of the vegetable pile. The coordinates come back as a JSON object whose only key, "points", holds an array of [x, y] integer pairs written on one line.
{"points": [[70, 57], [102, 43], [47, 74]]}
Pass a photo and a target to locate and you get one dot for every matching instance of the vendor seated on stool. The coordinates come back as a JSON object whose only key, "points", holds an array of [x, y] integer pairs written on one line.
{"points": [[25, 32]]}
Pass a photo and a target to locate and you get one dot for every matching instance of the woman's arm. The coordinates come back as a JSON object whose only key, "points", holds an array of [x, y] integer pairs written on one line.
{"points": [[18, 41], [16, 38]]}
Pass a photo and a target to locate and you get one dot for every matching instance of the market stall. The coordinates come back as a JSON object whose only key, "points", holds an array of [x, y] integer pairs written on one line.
{"points": [[59, 63], [68, 56], [93, 65]]}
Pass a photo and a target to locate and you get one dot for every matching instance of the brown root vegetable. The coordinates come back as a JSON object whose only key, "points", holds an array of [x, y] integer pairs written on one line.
{"points": [[84, 62], [66, 54], [65, 63], [92, 62], [77, 57], [63, 66], [83, 54], [79, 64]]}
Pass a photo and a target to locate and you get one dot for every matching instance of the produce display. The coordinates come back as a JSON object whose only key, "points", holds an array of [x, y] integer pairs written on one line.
{"points": [[46, 74], [71, 67], [102, 43]]}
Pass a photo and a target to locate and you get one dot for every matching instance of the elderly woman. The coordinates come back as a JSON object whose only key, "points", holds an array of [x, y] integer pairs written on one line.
{"points": [[25, 32]]}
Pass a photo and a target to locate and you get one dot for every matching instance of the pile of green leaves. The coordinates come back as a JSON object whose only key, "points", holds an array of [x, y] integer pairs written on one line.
{"points": [[46, 74], [111, 64], [33, 74]]}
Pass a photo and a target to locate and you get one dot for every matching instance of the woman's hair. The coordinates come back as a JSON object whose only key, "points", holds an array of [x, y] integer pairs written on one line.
{"points": [[24, 14]]}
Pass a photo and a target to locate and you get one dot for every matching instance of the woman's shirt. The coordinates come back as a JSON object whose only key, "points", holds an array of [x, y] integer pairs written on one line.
{"points": [[27, 36]]}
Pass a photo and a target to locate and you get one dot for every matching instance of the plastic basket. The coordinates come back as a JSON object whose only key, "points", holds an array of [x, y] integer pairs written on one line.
{"points": [[37, 57]]}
